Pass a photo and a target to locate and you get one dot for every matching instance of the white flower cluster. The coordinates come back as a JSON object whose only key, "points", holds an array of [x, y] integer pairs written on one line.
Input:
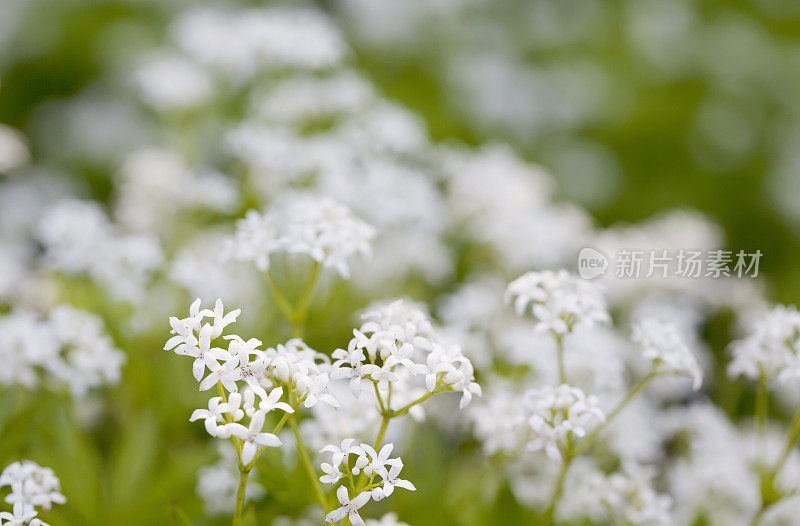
{"points": [[771, 349], [552, 414], [264, 373], [630, 498], [68, 347], [157, 186], [79, 239], [559, 301], [240, 43], [31, 485], [369, 462], [395, 344], [326, 231], [503, 199], [664, 346]]}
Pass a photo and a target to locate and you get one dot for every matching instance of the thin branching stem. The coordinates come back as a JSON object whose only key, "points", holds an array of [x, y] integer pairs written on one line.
{"points": [[306, 459]]}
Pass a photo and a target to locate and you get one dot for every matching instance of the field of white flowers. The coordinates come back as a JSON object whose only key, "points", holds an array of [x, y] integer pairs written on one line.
{"points": [[303, 263]]}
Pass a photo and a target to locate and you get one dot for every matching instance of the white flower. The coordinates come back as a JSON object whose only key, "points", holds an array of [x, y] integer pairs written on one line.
{"points": [[270, 402], [31, 485], [553, 413], [170, 83], [332, 473], [391, 481], [23, 514], [349, 507], [322, 229], [222, 320], [339, 453], [253, 437], [664, 346], [630, 495], [213, 415], [13, 149], [226, 373], [771, 348], [377, 460], [354, 372], [390, 519], [560, 302]]}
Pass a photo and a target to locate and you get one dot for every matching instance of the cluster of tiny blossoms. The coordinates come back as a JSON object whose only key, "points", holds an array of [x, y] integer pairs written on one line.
{"points": [[321, 228], [395, 346], [31, 485], [396, 354], [553, 414], [68, 348], [665, 348], [563, 421], [772, 349], [559, 301], [349, 460], [263, 373]]}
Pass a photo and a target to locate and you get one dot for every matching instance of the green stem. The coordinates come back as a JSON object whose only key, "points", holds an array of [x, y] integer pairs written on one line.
{"points": [[237, 514], [562, 372], [280, 300], [587, 441], [762, 408], [378, 396], [278, 427], [381, 432], [558, 491], [295, 315], [304, 456], [791, 439], [403, 410], [308, 291]]}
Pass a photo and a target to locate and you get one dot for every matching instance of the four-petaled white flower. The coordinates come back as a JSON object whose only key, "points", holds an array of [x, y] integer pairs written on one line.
{"points": [[339, 453], [349, 507], [332, 473], [253, 437], [391, 480], [213, 416]]}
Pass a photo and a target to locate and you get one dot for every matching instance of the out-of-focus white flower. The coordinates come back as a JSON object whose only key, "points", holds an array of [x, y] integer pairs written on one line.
{"points": [[78, 238], [69, 347], [630, 496], [172, 83], [664, 346], [27, 345], [554, 413], [217, 484], [560, 302], [13, 149], [239, 43], [771, 348], [156, 186], [322, 229], [89, 358], [390, 519], [298, 100]]}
